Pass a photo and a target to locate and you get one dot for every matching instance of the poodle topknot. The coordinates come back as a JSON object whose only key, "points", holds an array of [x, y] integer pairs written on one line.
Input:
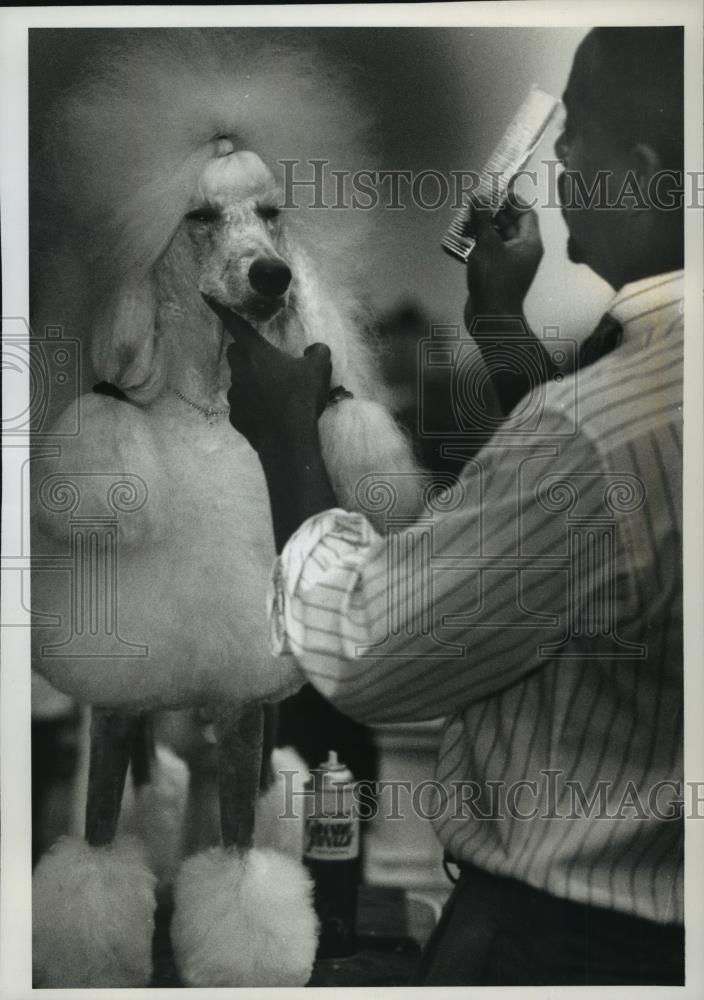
{"points": [[124, 156]]}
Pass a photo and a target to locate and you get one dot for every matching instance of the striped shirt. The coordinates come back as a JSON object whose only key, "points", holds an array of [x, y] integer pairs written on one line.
{"points": [[537, 607]]}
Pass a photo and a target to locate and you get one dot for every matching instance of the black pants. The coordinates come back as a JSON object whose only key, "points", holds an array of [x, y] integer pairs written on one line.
{"points": [[497, 931]]}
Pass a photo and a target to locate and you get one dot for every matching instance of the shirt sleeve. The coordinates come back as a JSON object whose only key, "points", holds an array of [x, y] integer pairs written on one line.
{"points": [[455, 607], [312, 585]]}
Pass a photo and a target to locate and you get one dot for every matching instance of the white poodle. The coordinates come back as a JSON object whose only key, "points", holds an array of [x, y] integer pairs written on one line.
{"points": [[165, 188]]}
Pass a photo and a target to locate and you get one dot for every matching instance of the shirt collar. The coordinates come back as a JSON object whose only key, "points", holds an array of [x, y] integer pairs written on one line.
{"points": [[641, 306]]}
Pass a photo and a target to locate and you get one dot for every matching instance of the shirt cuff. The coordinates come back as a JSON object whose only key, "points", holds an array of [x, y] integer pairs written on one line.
{"points": [[327, 548]]}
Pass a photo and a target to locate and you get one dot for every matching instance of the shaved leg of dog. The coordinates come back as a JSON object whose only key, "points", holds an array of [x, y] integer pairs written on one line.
{"points": [[93, 900], [240, 735], [243, 915]]}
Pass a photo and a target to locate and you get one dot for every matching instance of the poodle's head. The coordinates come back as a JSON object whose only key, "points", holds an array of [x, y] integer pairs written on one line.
{"points": [[161, 168], [231, 238]]}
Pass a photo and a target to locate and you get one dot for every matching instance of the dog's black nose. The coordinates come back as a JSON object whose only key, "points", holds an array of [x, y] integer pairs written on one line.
{"points": [[269, 277]]}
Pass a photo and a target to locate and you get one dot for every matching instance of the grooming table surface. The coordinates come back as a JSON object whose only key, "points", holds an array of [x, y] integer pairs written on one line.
{"points": [[391, 927]]}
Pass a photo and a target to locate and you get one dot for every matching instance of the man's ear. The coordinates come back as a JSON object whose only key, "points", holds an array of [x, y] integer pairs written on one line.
{"points": [[635, 172], [662, 188], [645, 163]]}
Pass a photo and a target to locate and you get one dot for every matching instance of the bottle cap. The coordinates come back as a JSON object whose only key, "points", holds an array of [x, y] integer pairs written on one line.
{"points": [[333, 771]]}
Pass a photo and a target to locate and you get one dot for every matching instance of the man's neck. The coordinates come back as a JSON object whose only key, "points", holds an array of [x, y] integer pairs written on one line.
{"points": [[654, 256]]}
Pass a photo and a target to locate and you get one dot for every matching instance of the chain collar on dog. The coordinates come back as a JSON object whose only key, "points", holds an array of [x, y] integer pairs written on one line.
{"points": [[212, 415], [209, 412]]}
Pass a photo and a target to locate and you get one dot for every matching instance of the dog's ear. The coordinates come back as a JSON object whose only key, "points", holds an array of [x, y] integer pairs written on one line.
{"points": [[126, 349]]}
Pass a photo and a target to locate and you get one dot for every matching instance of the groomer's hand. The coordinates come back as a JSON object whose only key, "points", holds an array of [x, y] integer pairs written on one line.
{"points": [[502, 266], [275, 401], [272, 394]]}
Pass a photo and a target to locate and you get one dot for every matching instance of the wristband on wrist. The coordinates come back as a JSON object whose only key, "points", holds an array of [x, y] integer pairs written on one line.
{"points": [[338, 393]]}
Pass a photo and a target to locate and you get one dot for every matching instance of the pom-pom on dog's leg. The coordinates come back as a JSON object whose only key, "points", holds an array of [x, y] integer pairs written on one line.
{"points": [[93, 900], [93, 916], [243, 916]]}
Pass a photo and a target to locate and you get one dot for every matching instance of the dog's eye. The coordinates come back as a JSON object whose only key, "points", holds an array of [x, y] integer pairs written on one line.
{"points": [[203, 215], [268, 211]]}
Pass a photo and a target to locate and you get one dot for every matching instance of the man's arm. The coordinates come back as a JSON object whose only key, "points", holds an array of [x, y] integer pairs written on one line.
{"points": [[275, 401], [500, 271], [443, 614], [455, 608], [296, 477]]}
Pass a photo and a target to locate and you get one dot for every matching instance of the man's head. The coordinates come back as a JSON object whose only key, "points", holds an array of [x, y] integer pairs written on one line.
{"points": [[622, 148]]}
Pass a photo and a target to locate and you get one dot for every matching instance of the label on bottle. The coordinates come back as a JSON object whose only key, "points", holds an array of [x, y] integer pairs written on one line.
{"points": [[330, 831], [331, 839]]}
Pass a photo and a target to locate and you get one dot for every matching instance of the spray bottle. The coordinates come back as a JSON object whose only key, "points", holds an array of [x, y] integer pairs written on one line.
{"points": [[331, 854]]}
